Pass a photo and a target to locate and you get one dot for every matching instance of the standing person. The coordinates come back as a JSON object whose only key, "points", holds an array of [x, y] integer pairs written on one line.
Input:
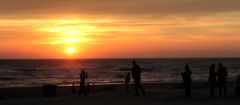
{"points": [[186, 76], [222, 79], [127, 80], [73, 88], [136, 75], [83, 77], [212, 79]]}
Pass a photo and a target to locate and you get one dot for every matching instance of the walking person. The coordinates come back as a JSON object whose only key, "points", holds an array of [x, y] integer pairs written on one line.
{"points": [[83, 77], [136, 75], [222, 79], [212, 79], [187, 80]]}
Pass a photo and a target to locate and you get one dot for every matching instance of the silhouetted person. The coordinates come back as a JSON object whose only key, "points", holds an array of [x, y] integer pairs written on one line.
{"points": [[83, 77], [222, 79], [212, 79], [186, 76], [127, 80], [73, 88], [136, 75]]}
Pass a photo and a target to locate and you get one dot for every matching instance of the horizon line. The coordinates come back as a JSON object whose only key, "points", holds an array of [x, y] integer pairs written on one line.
{"points": [[120, 58]]}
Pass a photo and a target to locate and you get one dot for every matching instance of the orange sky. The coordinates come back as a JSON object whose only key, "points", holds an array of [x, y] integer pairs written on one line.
{"points": [[119, 29]]}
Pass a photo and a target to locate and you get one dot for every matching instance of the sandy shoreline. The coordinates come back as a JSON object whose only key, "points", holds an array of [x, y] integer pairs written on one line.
{"points": [[154, 96], [36, 92], [157, 94]]}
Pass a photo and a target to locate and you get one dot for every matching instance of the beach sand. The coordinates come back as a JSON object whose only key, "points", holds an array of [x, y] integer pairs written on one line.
{"points": [[157, 94]]}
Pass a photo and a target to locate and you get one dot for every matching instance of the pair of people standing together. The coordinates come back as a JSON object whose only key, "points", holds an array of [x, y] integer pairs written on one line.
{"points": [[136, 75], [218, 77], [221, 75]]}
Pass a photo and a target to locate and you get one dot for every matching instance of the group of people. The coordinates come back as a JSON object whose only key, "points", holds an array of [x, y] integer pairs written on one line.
{"points": [[136, 75], [216, 78]]}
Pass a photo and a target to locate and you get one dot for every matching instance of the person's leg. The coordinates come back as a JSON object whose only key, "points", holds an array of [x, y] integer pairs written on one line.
{"points": [[188, 89], [136, 87], [81, 88], [80, 91], [84, 90], [220, 90], [212, 90], [140, 86], [225, 90]]}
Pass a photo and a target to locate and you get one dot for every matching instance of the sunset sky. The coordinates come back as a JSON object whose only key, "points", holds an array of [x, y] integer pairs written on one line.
{"points": [[31, 29]]}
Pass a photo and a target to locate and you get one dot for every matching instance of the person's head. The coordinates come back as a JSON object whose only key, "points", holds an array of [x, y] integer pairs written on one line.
{"points": [[213, 65], [81, 72], [73, 84], [134, 62], [220, 64], [187, 67]]}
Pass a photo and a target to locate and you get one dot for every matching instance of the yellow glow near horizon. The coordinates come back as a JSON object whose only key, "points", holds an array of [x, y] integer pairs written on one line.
{"points": [[69, 34]]}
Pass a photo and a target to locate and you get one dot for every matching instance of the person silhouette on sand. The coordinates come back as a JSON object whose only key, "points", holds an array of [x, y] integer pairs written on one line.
{"points": [[83, 77], [186, 76], [222, 79], [136, 75], [212, 79], [127, 80]]}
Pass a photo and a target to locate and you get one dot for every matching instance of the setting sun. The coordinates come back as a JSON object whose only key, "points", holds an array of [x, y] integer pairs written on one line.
{"points": [[70, 50]]}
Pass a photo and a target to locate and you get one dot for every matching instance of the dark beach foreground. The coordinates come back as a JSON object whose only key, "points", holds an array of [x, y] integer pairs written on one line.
{"points": [[157, 93]]}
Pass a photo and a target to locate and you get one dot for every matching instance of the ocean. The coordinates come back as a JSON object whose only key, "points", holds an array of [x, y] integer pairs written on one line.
{"points": [[63, 72]]}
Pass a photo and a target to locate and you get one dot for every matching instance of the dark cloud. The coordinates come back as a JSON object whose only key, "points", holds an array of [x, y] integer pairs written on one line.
{"points": [[54, 8]]}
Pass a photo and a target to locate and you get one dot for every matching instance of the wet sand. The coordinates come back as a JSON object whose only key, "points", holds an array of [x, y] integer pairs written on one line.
{"points": [[157, 94]]}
